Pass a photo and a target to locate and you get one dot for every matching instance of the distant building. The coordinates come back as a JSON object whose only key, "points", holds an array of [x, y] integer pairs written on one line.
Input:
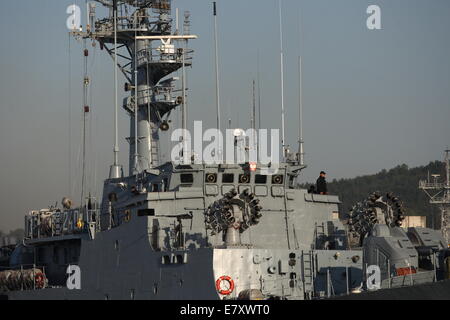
{"points": [[414, 221]]}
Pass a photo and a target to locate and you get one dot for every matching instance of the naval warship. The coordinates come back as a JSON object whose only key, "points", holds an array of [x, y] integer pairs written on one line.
{"points": [[207, 231]]}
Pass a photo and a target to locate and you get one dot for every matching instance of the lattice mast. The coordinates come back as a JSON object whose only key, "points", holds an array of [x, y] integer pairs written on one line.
{"points": [[439, 194], [138, 35]]}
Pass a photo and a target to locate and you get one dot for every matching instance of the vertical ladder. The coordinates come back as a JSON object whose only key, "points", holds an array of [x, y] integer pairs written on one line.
{"points": [[308, 272]]}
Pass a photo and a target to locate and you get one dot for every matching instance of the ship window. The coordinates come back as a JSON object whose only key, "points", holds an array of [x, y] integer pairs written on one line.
{"points": [[187, 178], [146, 212], [227, 178], [260, 179]]}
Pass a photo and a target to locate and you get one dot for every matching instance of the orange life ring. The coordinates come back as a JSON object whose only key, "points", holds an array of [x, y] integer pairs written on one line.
{"points": [[228, 291]]}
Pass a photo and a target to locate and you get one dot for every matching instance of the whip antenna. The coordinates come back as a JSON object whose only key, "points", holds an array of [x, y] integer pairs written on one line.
{"points": [[217, 70], [283, 141]]}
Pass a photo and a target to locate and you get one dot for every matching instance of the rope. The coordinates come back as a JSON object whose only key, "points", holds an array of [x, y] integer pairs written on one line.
{"points": [[85, 98], [70, 118]]}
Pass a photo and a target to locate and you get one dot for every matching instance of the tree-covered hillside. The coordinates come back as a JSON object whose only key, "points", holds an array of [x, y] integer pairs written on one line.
{"points": [[401, 180]]}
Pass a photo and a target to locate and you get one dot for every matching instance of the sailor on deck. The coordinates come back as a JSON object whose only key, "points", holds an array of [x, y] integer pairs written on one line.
{"points": [[321, 184]]}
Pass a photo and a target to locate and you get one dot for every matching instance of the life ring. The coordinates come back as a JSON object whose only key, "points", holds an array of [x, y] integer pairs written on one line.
{"points": [[225, 291]]}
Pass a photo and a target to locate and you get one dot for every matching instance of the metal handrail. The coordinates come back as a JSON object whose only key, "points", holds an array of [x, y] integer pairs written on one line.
{"points": [[68, 223], [431, 185]]}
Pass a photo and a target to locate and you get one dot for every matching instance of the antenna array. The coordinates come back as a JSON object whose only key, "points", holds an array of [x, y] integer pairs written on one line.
{"points": [[439, 194]]}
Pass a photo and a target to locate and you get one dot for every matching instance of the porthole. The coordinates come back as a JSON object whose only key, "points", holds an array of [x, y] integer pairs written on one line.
{"points": [[277, 179], [244, 178], [211, 178]]}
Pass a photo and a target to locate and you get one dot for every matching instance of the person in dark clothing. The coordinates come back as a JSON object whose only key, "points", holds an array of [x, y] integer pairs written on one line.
{"points": [[321, 184]]}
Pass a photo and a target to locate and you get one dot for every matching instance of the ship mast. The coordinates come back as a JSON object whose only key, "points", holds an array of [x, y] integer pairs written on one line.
{"points": [[138, 36], [301, 151], [301, 142], [115, 170], [439, 194]]}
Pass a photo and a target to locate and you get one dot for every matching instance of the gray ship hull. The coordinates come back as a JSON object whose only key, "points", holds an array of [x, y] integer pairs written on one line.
{"points": [[429, 291]]}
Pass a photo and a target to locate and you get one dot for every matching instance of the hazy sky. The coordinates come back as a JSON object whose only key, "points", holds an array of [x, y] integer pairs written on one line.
{"points": [[372, 99]]}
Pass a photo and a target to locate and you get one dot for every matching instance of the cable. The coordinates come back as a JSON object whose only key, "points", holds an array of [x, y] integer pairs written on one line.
{"points": [[85, 110], [70, 117]]}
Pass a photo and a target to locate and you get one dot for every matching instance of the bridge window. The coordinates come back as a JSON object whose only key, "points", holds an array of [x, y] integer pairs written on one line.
{"points": [[228, 178], [187, 178], [146, 212], [260, 179]]}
